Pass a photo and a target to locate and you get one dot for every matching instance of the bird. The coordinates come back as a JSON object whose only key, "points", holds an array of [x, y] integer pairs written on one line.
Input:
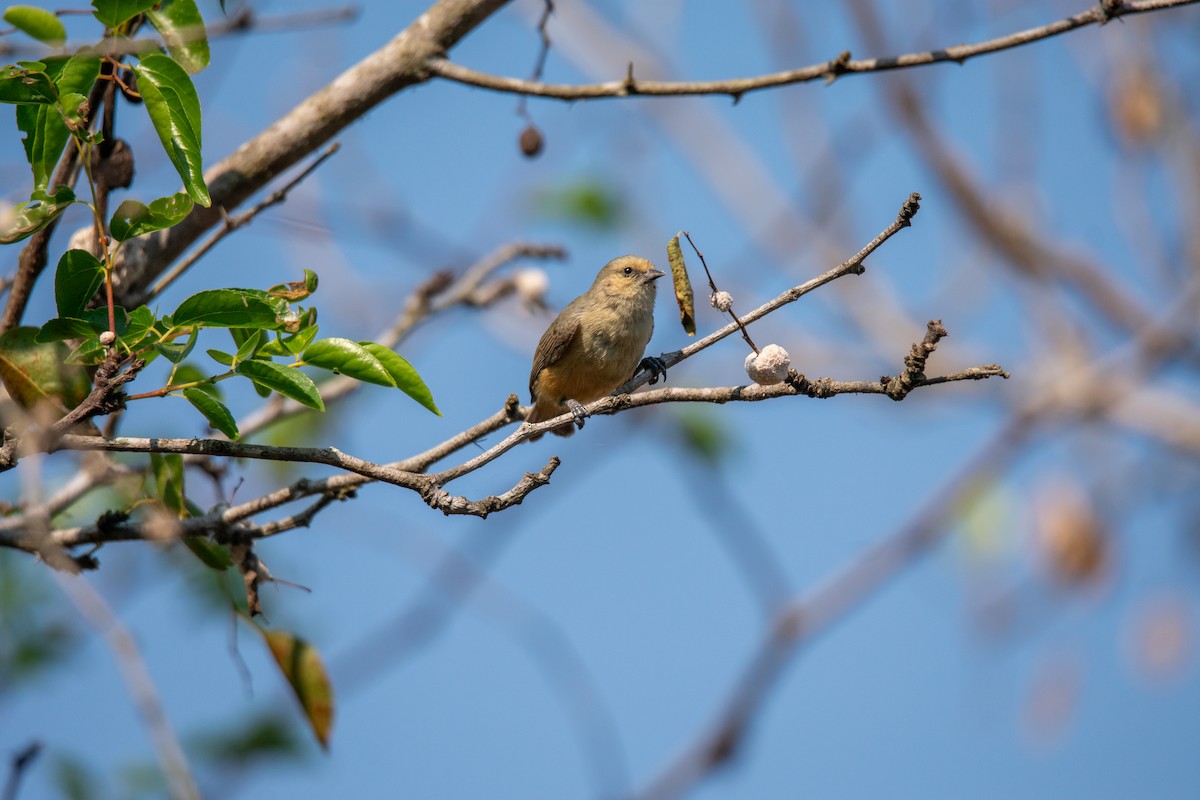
{"points": [[596, 343]]}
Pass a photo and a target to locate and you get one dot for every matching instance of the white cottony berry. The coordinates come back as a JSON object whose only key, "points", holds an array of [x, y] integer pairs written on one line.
{"points": [[531, 284], [722, 301], [769, 366], [107, 338]]}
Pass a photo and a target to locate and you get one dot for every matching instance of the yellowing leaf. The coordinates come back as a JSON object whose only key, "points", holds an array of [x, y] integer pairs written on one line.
{"points": [[683, 286], [301, 665]]}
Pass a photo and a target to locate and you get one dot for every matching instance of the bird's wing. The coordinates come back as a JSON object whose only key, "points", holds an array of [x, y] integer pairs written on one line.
{"points": [[553, 345]]}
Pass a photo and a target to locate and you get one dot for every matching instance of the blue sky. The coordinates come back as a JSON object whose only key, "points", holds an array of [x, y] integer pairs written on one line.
{"points": [[612, 621]]}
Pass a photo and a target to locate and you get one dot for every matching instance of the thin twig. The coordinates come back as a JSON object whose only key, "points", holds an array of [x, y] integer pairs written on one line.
{"points": [[712, 285], [231, 224], [540, 64], [627, 86], [1005, 230]]}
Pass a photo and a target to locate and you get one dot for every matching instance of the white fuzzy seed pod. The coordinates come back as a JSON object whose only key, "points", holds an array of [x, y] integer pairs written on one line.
{"points": [[107, 338], [769, 366], [722, 301]]}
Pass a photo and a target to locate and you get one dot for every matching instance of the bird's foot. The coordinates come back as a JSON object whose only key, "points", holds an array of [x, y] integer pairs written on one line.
{"points": [[656, 367], [577, 411]]}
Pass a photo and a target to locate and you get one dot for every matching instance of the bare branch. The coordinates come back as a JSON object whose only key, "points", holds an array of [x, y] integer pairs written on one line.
{"points": [[446, 503], [330, 456], [409, 474], [828, 71]]}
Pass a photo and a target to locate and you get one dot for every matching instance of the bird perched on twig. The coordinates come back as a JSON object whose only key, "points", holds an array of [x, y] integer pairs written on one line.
{"points": [[596, 343]]}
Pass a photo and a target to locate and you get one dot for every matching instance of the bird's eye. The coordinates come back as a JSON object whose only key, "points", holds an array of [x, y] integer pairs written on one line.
{"points": [[628, 270]]}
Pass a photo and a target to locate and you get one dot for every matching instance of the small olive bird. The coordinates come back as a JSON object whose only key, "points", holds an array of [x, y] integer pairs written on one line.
{"points": [[596, 343]]}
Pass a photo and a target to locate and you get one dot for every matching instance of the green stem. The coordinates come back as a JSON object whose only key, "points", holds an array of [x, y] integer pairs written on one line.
{"points": [[85, 155], [179, 387]]}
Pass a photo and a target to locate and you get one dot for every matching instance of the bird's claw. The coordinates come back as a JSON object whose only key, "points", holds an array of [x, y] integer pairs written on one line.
{"points": [[578, 412], [656, 367]]}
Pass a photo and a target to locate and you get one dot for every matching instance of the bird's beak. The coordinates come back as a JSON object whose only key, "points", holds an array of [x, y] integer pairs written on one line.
{"points": [[651, 275]]}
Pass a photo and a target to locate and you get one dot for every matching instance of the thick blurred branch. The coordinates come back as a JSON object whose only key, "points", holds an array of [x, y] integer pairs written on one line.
{"points": [[401, 63], [629, 86], [810, 614], [171, 757]]}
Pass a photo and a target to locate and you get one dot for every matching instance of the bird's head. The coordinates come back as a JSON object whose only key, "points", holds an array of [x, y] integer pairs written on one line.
{"points": [[628, 275]]}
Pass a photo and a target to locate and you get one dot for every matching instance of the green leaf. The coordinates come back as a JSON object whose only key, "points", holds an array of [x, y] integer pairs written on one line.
{"points": [[406, 378], [286, 381], [704, 436], [98, 317], [291, 345], [39, 23], [593, 203], [175, 352], [348, 358], [45, 131], [33, 371], [252, 743], [250, 346], [112, 13], [167, 469], [89, 353], [226, 308], [211, 553], [301, 665], [134, 219], [297, 342], [78, 277], [40, 211], [77, 74], [141, 322], [182, 28], [174, 109], [26, 83], [221, 357], [61, 328], [73, 108], [45, 137], [213, 410]]}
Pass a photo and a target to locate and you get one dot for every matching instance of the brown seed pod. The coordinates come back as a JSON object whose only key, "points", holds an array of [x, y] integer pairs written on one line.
{"points": [[531, 141], [683, 287]]}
